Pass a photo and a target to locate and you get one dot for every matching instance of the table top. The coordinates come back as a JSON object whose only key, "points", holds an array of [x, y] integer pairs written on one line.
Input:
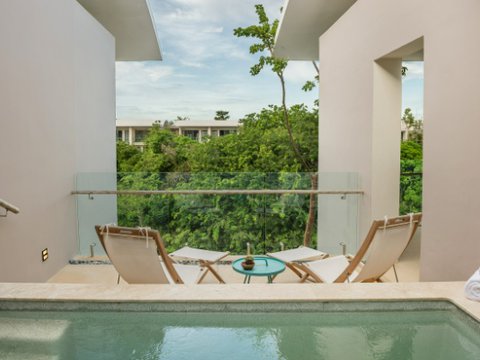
{"points": [[264, 266]]}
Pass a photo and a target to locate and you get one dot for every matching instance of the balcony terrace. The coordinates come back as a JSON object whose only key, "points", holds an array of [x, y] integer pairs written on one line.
{"points": [[59, 297], [266, 210]]}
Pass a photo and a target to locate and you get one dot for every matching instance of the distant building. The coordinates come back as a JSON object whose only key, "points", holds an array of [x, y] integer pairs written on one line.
{"points": [[403, 131], [134, 132]]}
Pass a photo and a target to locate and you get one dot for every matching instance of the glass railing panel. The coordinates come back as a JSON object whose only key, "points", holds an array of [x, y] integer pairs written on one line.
{"points": [[219, 221], [95, 209], [338, 214], [286, 215]]}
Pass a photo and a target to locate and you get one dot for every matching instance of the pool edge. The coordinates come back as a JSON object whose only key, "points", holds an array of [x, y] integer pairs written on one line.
{"points": [[228, 295]]}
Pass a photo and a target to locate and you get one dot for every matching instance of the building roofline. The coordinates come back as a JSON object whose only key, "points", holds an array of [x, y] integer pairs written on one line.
{"points": [[301, 25], [132, 25], [178, 124]]}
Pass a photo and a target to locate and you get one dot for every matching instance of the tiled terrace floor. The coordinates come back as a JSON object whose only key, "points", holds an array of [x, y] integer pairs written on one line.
{"points": [[407, 270], [81, 284]]}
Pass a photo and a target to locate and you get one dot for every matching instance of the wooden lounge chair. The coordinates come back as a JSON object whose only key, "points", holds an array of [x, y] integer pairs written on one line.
{"points": [[384, 244], [206, 259], [140, 257], [292, 258]]}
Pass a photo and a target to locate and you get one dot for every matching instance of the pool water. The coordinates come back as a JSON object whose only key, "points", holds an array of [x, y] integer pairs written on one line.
{"points": [[436, 334]]}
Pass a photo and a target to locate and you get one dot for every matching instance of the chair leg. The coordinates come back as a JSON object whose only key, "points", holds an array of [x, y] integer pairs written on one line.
{"points": [[395, 272], [306, 277], [295, 271], [118, 279], [203, 276], [209, 267]]}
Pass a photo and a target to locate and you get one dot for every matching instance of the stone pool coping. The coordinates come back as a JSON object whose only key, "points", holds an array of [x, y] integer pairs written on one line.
{"points": [[452, 292]]}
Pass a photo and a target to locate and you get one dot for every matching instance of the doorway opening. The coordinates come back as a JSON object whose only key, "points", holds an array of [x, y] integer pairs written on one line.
{"points": [[398, 131], [411, 145]]}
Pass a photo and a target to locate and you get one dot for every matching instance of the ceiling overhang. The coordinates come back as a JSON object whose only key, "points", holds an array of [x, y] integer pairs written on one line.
{"points": [[132, 25], [302, 24]]}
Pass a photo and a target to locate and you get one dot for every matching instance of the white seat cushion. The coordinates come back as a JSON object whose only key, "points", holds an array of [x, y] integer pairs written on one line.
{"points": [[199, 254], [302, 253], [329, 269], [188, 273]]}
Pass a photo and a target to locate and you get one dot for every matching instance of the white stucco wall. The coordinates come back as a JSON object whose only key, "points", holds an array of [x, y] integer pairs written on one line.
{"points": [[94, 100], [56, 118], [353, 137]]}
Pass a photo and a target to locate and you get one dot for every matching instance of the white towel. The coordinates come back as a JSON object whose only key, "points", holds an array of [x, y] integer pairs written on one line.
{"points": [[472, 287]]}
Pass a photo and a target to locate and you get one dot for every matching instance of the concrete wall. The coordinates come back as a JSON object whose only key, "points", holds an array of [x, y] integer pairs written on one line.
{"points": [[356, 93], [56, 119], [94, 100]]}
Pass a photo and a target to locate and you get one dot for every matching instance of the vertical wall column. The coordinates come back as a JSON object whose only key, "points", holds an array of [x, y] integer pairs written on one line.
{"points": [[58, 106], [131, 135], [387, 108]]}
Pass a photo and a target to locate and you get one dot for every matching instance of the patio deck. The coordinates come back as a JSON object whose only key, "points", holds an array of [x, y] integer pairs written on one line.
{"points": [[407, 270], [76, 286]]}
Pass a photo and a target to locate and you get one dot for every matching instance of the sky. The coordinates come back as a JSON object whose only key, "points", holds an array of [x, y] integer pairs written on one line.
{"points": [[412, 88], [205, 68]]}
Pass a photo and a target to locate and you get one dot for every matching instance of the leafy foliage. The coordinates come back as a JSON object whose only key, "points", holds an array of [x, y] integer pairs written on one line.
{"points": [[411, 177], [222, 115], [308, 86], [257, 157], [127, 156], [261, 144], [264, 33], [411, 165], [414, 126]]}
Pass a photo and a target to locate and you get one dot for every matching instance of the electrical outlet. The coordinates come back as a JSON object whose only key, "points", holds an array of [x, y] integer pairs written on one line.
{"points": [[44, 254]]}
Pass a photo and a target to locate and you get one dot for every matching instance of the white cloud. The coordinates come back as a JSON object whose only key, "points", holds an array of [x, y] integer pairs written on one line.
{"points": [[139, 77], [192, 64], [228, 11], [159, 73], [415, 70], [412, 88], [205, 67], [218, 29], [140, 71], [300, 71], [203, 29]]}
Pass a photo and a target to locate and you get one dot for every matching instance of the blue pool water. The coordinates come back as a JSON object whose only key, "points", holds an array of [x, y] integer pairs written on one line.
{"points": [[433, 334]]}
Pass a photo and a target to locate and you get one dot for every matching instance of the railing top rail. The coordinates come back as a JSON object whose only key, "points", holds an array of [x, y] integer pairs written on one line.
{"points": [[218, 192], [9, 207]]}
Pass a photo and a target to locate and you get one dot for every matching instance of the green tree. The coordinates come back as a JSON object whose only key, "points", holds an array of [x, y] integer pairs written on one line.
{"points": [[167, 124], [411, 150], [414, 126], [411, 164], [261, 144], [164, 152], [222, 115], [257, 157], [265, 33], [127, 156], [310, 85], [261, 155]]}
